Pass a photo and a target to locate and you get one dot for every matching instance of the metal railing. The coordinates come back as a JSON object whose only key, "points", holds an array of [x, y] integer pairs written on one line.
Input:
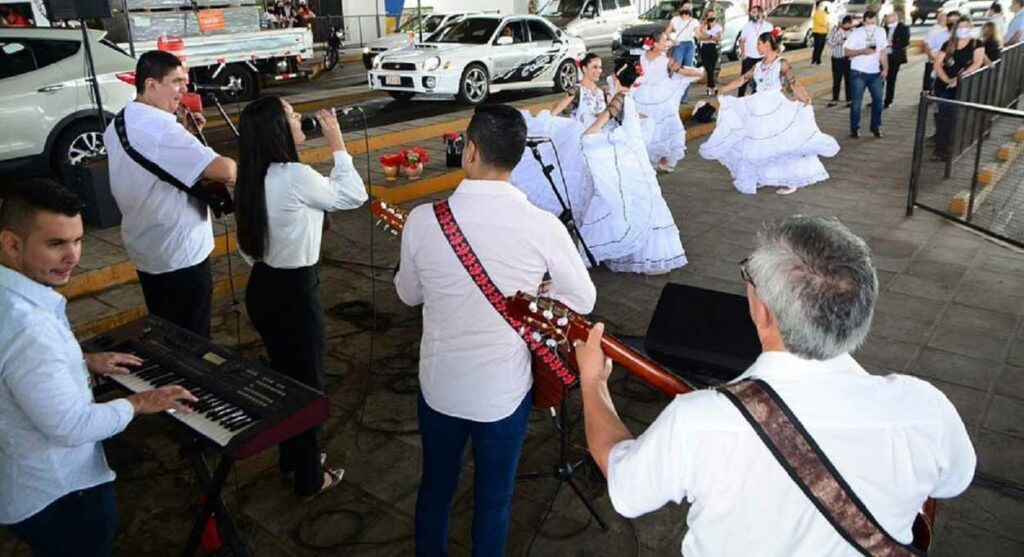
{"points": [[1000, 85], [982, 187]]}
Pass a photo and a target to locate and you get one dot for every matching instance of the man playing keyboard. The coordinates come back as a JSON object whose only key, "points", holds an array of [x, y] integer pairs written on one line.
{"points": [[57, 488]]}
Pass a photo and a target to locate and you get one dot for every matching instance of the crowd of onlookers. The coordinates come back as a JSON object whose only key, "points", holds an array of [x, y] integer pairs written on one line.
{"points": [[282, 13]]}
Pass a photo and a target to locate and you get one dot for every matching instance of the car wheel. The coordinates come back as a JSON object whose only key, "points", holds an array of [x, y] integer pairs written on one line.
{"points": [[241, 77], [566, 76], [78, 143], [807, 39], [735, 54], [401, 96], [475, 84]]}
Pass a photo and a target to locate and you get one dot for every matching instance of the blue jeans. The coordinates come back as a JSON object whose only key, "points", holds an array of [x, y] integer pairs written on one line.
{"points": [[496, 448], [683, 53], [873, 82], [81, 523]]}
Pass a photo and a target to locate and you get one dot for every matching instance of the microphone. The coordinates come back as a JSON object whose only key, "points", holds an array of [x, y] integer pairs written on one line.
{"points": [[532, 142], [232, 87], [311, 124]]}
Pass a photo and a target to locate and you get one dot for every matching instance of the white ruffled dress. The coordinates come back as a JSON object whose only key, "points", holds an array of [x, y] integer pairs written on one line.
{"points": [[658, 98], [766, 139]]}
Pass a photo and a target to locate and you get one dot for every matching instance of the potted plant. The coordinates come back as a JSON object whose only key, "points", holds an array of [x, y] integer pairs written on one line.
{"points": [[413, 160], [453, 145], [389, 164]]}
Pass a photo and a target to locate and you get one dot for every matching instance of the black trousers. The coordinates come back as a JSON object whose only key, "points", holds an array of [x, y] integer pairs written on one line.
{"points": [[890, 80], [181, 297], [840, 76], [745, 65], [284, 307], [80, 524], [709, 58], [926, 83], [819, 46], [944, 122]]}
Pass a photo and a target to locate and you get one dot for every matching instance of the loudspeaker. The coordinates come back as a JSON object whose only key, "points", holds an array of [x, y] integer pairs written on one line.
{"points": [[63, 10], [704, 334], [90, 181]]}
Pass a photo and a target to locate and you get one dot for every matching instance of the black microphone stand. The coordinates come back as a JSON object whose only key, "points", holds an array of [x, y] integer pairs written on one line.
{"points": [[566, 216]]}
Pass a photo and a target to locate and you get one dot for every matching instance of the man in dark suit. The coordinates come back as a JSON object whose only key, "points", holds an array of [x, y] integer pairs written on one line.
{"points": [[899, 40]]}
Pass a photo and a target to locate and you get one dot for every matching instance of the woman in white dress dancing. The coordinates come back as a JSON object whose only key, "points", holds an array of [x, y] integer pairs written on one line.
{"points": [[766, 139], [657, 98]]}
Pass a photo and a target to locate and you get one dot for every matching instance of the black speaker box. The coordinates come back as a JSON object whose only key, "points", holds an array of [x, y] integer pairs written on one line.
{"points": [[702, 334], [63, 10], [90, 180]]}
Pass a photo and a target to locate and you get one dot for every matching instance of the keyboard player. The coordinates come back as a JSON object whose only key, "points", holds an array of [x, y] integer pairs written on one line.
{"points": [[57, 487]]}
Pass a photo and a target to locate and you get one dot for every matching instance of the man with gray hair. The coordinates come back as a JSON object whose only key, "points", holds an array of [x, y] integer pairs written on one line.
{"points": [[895, 440]]}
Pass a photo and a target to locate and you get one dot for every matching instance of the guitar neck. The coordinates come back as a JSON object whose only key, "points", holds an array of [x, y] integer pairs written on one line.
{"points": [[644, 368]]}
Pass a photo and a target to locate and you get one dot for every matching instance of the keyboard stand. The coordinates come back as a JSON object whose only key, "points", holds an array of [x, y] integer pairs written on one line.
{"points": [[213, 487]]}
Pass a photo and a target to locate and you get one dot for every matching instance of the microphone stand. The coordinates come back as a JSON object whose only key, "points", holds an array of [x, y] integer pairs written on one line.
{"points": [[566, 216]]}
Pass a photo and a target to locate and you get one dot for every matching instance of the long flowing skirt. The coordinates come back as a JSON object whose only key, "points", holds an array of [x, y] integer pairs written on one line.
{"points": [[658, 100], [766, 139], [564, 153]]}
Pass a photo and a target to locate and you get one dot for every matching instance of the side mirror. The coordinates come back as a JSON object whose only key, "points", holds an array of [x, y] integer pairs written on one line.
{"points": [[504, 40]]}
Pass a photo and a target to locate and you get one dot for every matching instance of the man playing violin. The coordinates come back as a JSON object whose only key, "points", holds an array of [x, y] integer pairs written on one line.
{"points": [[167, 233], [896, 440]]}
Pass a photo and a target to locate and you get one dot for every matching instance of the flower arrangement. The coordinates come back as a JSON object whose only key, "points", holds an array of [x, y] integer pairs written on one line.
{"points": [[414, 156], [392, 160], [648, 43], [450, 136], [776, 33]]}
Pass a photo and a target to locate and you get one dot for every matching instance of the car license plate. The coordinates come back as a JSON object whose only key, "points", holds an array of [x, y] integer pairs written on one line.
{"points": [[392, 80], [636, 52]]}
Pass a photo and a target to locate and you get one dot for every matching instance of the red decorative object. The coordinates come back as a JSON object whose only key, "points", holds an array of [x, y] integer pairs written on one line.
{"points": [[450, 136], [776, 33], [389, 164], [579, 63], [414, 156], [639, 70], [648, 43]]}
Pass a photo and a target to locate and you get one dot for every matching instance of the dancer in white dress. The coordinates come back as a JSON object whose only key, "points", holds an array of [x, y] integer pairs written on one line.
{"points": [[766, 139], [657, 98]]}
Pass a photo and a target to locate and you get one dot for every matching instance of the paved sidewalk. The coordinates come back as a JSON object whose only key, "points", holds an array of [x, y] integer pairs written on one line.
{"points": [[950, 311]]}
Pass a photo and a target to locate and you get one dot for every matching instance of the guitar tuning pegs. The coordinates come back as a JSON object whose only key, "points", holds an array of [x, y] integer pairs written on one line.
{"points": [[548, 314], [536, 336], [522, 330], [551, 343], [562, 321], [533, 307]]}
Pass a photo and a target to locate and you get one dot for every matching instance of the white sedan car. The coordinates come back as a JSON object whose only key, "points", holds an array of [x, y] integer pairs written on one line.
{"points": [[480, 55]]}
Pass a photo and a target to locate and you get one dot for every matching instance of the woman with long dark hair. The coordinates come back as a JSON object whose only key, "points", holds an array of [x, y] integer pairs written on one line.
{"points": [[962, 54], [279, 210], [767, 139]]}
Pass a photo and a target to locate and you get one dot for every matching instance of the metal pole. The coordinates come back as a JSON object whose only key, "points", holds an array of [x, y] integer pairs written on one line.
{"points": [[915, 168], [128, 25], [974, 175], [92, 74], [419, 19]]}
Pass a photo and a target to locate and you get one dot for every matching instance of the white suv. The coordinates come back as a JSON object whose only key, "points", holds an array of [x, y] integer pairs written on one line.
{"points": [[47, 113]]}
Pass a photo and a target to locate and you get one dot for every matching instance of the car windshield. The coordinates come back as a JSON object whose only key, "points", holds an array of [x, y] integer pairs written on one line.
{"points": [[562, 8], [430, 23], [469, 31], [858, 2], [792, 10], [667, 10]]}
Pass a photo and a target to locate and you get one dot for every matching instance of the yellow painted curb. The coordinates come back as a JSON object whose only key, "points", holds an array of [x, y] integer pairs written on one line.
{"points": [[1019, 134], [214, 121], [420, 188]]}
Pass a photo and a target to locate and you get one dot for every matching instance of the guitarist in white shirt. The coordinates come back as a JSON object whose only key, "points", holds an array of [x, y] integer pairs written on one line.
{"points": [[474, 373]]}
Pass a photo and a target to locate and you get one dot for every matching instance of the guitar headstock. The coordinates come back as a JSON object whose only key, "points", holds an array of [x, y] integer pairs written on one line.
{"points": [[391, 217], [552, 320]]}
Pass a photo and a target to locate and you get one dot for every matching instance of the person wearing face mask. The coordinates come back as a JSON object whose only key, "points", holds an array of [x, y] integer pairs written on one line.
{"points": [[898, 35], [962, 54], [280, 216], [710, 36], [681, 31], [868, 69], [749, 35], [840, 63], [937, 36]]}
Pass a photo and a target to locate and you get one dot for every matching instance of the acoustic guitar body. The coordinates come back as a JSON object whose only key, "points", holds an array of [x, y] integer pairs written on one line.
{"points": [[548, 389]]}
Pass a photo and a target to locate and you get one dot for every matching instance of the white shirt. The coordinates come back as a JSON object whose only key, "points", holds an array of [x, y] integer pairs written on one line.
{"points": [[860, 39], [896, 440], [714, 33], [50, 427], [160, 226], [473, 365], [937, 36], [682, 30], [297, 196], [999, 21], [749, 34]]}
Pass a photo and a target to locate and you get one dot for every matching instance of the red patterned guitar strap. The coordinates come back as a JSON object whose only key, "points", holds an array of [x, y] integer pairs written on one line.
{"points": [[811, 470], [476, 271]]}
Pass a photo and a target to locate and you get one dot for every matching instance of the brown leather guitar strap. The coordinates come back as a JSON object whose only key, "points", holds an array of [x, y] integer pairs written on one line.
{"points": [[811, 469], [467, 257]]}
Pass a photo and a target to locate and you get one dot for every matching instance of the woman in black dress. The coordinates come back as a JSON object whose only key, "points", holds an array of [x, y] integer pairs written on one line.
{"points": [[960, 55]]}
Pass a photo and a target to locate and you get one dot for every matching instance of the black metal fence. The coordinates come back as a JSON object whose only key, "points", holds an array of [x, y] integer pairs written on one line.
{"points": [[981, 187], [1000, 85]]}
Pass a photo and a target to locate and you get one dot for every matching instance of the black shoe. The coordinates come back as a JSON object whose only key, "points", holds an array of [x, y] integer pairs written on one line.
{"points": [[886, 106], [855, 134], [877, 133], [833, 103], [870, 104]]}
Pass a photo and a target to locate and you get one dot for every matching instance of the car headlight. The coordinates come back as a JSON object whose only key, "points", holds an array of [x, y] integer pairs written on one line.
{"points": [[366, 50], [617, 35], [377, 60], [431, 64]]}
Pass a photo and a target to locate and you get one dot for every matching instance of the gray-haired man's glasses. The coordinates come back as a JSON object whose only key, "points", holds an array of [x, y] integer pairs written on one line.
{"points": [[745, 274]]}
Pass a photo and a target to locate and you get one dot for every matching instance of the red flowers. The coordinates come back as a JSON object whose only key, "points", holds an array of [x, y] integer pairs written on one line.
{"points": [[639, 69], [648, 43], [450, 136], [414, 156], [776, 33], [393, 159]]}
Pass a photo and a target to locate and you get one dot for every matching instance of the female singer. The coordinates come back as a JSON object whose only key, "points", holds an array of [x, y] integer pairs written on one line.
{"points": [[664, 84], [766, 139], [280, 204]]}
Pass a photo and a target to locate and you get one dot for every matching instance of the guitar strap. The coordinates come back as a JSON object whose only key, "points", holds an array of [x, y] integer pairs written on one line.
{"points": [[468, 259], [811, 469], [155, 169]]}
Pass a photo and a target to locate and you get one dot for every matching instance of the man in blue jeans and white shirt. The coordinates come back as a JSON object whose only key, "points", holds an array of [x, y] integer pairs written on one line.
{"points": [[868, 69], [55, 485], [474, 368]]}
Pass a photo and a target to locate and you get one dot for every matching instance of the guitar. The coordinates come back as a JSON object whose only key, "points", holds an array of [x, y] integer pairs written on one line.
{"points": [[559, 324], [214, 194], [391, 217]]}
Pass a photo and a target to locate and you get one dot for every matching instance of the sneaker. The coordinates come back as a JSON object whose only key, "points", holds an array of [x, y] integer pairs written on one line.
{"points": [[785, 191], [877, 133], [832, 104], [848, 104], [855, 134]]}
